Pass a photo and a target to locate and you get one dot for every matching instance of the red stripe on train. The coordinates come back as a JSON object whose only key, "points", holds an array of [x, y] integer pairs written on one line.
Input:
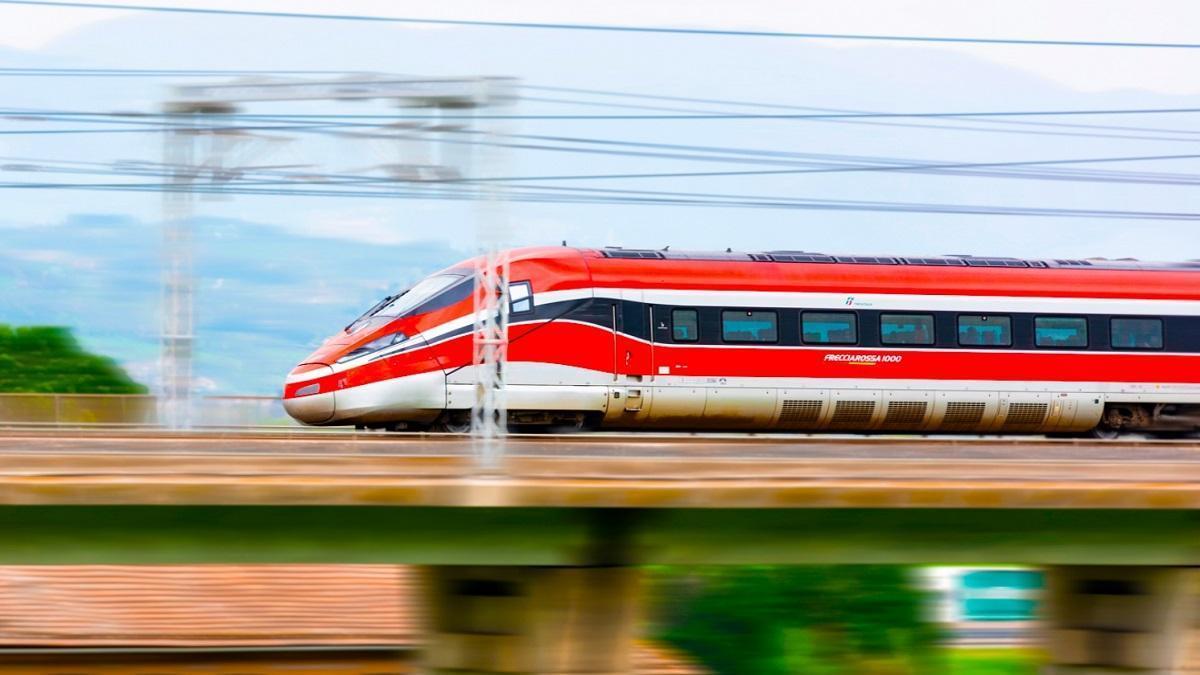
{"points": [[591, 347]]}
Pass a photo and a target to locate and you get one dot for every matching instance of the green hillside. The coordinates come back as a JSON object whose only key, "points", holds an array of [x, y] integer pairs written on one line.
{"points": [[48, 359]]}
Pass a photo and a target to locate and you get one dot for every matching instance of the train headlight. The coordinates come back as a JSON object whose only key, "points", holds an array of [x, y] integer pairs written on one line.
{"points": [[374, 346]]}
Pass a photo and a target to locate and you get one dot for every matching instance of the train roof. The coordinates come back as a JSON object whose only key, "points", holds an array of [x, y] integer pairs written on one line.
{"points": [[1127, 264]]}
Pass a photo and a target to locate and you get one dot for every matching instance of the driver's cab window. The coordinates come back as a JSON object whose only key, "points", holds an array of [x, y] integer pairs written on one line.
{"points": [[520, 297], [427, 295]]}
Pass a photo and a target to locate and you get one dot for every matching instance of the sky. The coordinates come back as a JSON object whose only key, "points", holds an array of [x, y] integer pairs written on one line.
{"points": [[278, 272]]}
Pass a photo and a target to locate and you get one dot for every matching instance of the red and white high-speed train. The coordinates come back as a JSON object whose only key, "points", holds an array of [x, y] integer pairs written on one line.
{"points": [[782, 340]]}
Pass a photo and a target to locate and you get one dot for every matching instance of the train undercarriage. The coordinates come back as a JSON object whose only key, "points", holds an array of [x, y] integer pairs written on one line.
{"points": [[1145, 420], [1155, 419]]}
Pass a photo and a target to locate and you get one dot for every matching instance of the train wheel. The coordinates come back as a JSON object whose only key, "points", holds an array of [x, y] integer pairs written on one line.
{"points": [[400, 427], [571, 423], [453, 423], [568, 427], [1105, 433]]}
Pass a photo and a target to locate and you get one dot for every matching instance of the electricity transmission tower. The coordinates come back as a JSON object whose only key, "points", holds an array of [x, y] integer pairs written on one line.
{"points": [[193, 110]]}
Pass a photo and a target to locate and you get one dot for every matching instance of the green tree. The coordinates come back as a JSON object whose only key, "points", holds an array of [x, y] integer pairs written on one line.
{"points": [[48, 359], [767, 620]]}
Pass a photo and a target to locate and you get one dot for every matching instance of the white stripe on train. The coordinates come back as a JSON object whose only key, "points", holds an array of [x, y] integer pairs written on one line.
{"points": [[886, 301]]}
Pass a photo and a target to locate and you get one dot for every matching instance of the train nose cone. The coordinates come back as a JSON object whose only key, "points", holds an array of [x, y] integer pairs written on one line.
{"points": [[303, 398]]}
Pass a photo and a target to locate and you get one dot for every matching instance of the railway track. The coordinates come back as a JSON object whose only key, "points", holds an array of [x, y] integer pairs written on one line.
{"points": [[594, 470], [302, 441]]}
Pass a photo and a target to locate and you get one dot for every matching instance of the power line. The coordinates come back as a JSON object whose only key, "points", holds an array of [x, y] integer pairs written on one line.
{"points": [[349, 125], [824, 163], [960, 123], [636, 196], [131, 72], [184, 72], [654, 198], [838, 164], [162, 128], [782, 106], [933, 167], [153, 72], [701, 116], [610, 28], [888, 165], [187, 72], [282, 183]]}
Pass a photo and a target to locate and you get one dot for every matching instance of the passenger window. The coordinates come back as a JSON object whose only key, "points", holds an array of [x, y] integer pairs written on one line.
{"points": [[1060, 331], [749, 326], [520, 297], [985, 331], [906, 329], [685, 325], [1137, 334], [829, 328]]}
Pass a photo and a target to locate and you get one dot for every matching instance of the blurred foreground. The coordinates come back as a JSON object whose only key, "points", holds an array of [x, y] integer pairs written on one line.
{"points": [[359, 619]]}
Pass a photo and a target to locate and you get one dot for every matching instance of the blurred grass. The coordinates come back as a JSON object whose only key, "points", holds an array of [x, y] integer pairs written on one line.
{"points": [[813, 619], [993, 661]]}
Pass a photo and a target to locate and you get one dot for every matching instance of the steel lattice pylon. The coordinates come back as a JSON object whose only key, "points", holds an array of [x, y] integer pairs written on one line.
{"points": [[489, 412], [489, 415], [178, 287], [194, 103]]}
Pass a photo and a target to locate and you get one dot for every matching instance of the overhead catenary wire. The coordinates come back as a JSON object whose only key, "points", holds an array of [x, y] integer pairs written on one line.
{"points": [[185, 72], [120, 118], [814, 163], [680, 117], [639, 196], [389, 190], [668, 30], [543, 193], [783, 106], [370, 129], [160, 129], [960, 126], [340, 119], [915, 167], [157, 72]]}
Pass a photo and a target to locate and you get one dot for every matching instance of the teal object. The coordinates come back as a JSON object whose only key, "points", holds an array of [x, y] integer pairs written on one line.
{"points": [[1000, 595]]}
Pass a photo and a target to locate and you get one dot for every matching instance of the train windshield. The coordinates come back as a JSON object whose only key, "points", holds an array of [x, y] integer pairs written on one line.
{"points": [[418, 296], [429, 294]]}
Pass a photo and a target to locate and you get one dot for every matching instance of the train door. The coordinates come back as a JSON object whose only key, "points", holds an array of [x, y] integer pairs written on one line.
{"points": [[633, 352]]}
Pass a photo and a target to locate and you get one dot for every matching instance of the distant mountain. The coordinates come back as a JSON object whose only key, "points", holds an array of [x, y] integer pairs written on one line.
{"points": [[264, 299]]}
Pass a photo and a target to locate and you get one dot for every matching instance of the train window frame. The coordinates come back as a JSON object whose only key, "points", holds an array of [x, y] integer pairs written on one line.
{"points": [[695, 320], [521, 302], [1087, 337], [725, 334], [840, 343], [958, 333], [1162, 333], [883, 339]]}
